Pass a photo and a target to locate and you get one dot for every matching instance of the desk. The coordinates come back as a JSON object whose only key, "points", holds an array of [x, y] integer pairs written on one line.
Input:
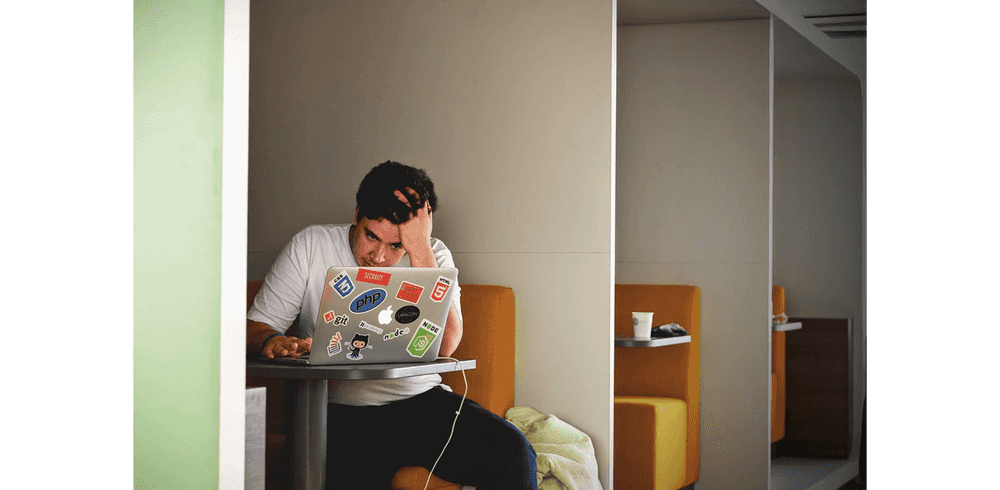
{"points": [[653, 342], [308, 424], [786, 327]]}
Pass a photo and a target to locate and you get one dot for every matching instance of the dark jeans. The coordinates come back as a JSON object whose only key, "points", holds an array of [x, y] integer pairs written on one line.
{"points": [[366, 445]]}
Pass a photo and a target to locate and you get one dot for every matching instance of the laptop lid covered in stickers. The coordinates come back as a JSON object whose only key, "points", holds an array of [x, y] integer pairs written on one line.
{"points": [[382, 314]]}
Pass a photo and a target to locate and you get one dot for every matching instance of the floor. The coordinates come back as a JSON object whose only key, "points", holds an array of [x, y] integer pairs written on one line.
{"points": [[812, 474]]}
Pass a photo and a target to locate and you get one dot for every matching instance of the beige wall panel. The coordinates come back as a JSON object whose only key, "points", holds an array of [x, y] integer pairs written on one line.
{"points": [[485, 96], [563, 335], [692, 208]]}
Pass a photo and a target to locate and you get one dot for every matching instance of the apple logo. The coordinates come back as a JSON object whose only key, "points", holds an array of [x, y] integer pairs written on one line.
{"points": [[385, 316]]}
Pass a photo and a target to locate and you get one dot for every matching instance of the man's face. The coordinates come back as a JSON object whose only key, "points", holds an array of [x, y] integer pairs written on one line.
{"points": [[376, 243]]}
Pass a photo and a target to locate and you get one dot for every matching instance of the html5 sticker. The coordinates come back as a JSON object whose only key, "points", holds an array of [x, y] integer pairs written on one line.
{"points": [[440, 289], [410, 292], [373, 277]]}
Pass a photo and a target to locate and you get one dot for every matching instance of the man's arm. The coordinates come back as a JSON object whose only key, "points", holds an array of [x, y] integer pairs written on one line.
{"points": [[277, 346]]}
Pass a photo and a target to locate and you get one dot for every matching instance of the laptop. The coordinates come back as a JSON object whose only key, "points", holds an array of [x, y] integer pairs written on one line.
{"points": [[380, 315]]}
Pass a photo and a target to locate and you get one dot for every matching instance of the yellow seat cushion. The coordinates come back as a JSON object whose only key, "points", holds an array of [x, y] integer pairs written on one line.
{"points": [[650, 442]]}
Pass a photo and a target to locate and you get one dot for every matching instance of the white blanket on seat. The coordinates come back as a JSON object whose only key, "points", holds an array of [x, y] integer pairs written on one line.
{"points": [[566, 459]]}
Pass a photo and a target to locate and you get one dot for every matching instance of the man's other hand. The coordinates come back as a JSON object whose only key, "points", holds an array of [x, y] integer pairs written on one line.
{"points": [[282, 346]]}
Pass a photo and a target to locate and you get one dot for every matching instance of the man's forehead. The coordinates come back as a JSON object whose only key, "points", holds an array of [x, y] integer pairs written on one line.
{"points": [[382, 228]]}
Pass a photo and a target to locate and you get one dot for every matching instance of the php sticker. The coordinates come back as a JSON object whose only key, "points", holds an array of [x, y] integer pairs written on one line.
{"points": [[407, 314], [396, 334], [423, 339], [373, 277], [342, 284], [368, 326], [440, 289], [409, 292], [368, 300], [334, 348], [329, 316]]}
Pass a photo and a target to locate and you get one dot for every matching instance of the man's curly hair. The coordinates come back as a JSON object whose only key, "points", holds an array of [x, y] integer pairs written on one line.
{"points": [[376, 196]]}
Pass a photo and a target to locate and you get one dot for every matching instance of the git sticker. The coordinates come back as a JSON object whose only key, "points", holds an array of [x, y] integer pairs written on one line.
{"points": [[342, 284], [440, 289], [409, 292], [329, 316], [340, 320], [334, 348], [423, 338], [367, 275]]}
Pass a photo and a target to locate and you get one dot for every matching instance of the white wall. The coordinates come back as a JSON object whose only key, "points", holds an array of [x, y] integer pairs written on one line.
{"points": [[508, 106], [692, 208]]}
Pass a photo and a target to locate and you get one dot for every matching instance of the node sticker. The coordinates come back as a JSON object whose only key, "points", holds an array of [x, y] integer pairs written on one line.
{"points": [[358, 343], [440, 288], [373, 277], [368, 326], [334, 348], [409, 292], [342, 284], [397, 334], [368, 300], [423, 339], [407, 314]]}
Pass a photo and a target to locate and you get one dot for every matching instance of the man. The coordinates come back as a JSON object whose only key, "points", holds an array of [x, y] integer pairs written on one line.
{"points": [[379, 426]]}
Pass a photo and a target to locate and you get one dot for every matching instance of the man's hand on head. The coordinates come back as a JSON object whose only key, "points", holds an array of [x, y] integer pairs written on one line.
{"points": [[415, 234]]}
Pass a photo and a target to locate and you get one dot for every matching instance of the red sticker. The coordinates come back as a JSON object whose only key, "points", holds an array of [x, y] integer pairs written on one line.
{"points": [[373, 277], [409, 292], [329, 316], [440, 288]]}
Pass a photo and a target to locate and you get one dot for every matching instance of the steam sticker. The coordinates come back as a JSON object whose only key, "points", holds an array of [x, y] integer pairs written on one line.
{"points": [[409, 292], [423, 339], [342, 284], [329, 316], [374, 277], [396, 334], [407, 314], [368, 300], [357, 344], [440, 288], [334, 348], [368, 326]]}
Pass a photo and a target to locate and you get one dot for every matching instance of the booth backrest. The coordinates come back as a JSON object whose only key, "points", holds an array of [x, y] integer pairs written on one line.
{"points": [[778, 362], [672, 371]]}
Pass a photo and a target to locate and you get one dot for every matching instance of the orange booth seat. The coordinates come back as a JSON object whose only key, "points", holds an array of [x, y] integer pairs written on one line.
{"points": [[657, 392], [488, 337], [777, 369]]}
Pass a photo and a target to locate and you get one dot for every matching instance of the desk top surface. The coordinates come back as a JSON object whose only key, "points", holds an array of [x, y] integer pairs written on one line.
{"points": [[355, 371], [653, 342]]}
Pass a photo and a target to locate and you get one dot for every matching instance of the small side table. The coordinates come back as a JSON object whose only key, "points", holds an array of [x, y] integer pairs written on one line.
{"points": [[653, 342]]}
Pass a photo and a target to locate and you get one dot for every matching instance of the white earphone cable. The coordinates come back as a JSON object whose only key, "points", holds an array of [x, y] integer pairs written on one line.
{"points": [[457, 413]]}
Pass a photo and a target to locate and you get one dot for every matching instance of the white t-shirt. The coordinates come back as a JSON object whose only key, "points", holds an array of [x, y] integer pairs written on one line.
{"points": [[294, 287]]}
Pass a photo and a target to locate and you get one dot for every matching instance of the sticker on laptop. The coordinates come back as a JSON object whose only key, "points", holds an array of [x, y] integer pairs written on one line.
{"points": [[385, 316], [342, 284], [368, 300], [407, 314], [358, 343], [423, 338], [396, 334], [368, 326], [440, 289], [373, 277], [329, 316], [341, 320], [409, 292], [334, 348]]}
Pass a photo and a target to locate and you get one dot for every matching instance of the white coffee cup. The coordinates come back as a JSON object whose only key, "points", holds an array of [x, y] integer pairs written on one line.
{"points": [[642, 323]]}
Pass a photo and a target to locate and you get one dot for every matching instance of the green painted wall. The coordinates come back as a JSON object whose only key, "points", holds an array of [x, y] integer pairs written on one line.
{"points": [[177, 205]]}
